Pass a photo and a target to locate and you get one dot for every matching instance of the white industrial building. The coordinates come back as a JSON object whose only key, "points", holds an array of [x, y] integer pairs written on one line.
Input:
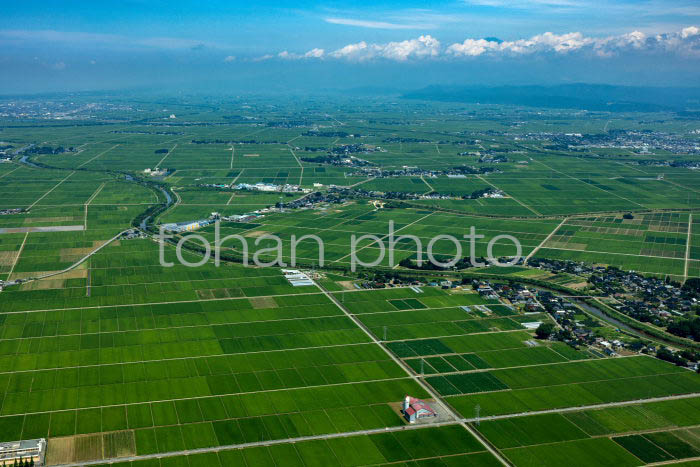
{"points": [[297, 278]]}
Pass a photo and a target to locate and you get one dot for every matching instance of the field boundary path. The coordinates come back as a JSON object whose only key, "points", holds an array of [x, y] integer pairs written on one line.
{"points": [[87, 203], [533, 210], [384, 237], [47, 193], [430, 187], [19, 253], [165, 156], [687, 247], [301, 175], [551, 234], [103, 152], [589, 184]]}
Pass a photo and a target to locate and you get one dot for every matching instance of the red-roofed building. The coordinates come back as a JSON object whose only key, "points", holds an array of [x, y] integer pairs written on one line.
{"points": [[413, 409]]}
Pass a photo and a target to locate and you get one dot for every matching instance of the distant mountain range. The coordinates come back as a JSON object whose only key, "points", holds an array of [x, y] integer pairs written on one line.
{"points": [[570, 96]]}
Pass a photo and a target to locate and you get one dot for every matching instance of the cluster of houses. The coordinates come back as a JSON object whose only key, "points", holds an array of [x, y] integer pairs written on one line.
{"points": [[7, 212], [461, 171], [646, 298], [243, 218], [5, 154], [639, 141], [157, 172], [271, 187], [517, 294], [567, 266], [342, 155], [132, 234], [313, 200]]}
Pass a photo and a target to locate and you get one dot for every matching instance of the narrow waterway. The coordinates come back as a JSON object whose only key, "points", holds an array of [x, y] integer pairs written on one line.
{"points": [[168, 203], [26, 161]]}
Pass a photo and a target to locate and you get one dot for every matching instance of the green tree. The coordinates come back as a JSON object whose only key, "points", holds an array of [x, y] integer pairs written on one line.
{"points": [[544, 330]]}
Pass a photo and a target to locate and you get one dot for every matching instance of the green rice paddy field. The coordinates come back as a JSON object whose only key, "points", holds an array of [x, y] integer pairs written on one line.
{"points": [[122, 356]]}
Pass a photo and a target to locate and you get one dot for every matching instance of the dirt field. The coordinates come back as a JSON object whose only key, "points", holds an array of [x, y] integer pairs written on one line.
{"points": [[263, 302], [347, 285], [74, 254], [7, 258], [79, 272], [255, 233], [83, 448]]}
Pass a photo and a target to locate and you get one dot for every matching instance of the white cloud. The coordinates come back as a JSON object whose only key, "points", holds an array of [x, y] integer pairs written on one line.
{"points": [[423, 47], [548, 41], [685, 42], [370, 24], [472, 47], [689, 32], [229, 59], [357, 50], [315, 53]]}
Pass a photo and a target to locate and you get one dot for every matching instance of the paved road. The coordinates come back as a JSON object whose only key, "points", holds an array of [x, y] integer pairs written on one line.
{"points": [[254, 444], [418, 380], [584, 407], [76, 264], [551, 234], [462, 421]]}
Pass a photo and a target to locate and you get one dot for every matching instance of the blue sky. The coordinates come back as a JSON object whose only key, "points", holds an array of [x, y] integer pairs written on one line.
{"points": [[74, 45]]}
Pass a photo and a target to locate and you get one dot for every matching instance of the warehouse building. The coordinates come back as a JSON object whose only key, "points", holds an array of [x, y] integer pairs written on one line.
{"points": [[414, 409], [297, 278], [29, 451]]}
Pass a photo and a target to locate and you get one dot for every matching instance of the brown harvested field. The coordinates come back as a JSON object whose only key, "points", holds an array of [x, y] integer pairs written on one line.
{"points": [[79, 272], [255, 233], [70, 449], [565, 245], [60, 450], [88, 448], [263, 302], [7, 258], [44, 284], [347, 285], [119, 444], [205, 294], [74, 254]]}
